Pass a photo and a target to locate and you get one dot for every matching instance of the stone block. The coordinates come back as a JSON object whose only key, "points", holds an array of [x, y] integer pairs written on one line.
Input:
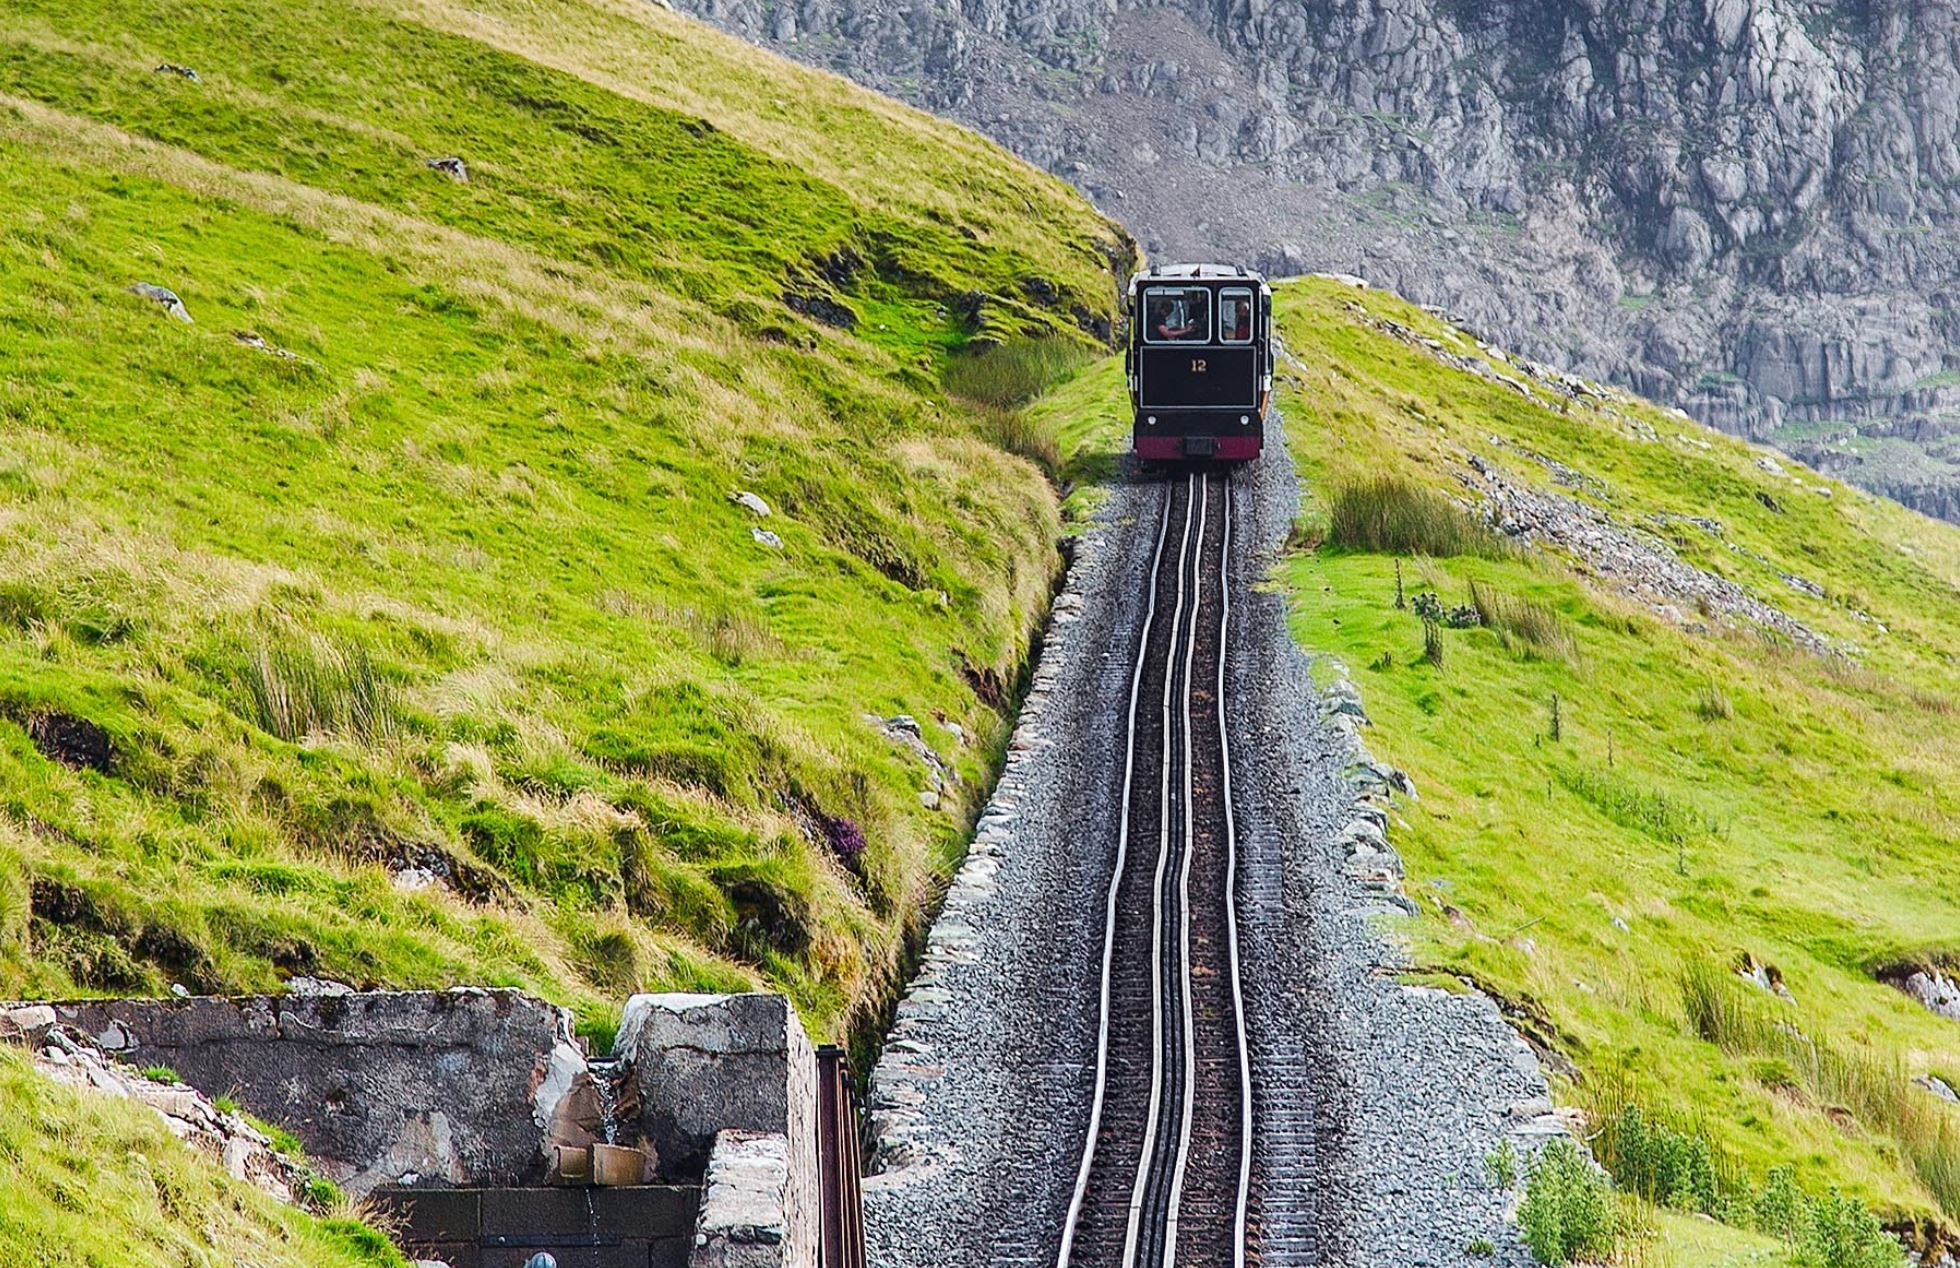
{"points": [[436, 1215], [534, 1212], [652, 1210], [745, 1217]]}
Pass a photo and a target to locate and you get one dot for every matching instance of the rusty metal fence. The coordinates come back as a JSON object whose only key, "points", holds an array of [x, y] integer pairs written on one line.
{"points": [[841, 1199]]}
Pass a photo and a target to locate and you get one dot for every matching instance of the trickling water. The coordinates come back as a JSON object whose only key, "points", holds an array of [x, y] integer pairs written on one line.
{"points": [[607, 1075]]}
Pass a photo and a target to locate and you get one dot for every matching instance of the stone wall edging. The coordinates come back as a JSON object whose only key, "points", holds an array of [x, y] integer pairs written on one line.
{"points": [[902, 1080]]}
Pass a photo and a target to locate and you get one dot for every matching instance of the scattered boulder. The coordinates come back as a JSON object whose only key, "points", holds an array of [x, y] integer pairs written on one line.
{"points": [[1639, 563], [253, 339], [764, 537], [165, 296], [904, 730], [182, 72], [451, 166], [1763, 976], [750, 500]]}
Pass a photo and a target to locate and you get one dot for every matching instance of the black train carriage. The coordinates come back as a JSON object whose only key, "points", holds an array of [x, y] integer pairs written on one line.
{"points": [[1200, 361]]}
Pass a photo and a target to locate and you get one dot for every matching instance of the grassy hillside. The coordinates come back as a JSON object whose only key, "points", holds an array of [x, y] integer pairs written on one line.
{"points": [[415, 555], [1627, 799], [92, 1180]]}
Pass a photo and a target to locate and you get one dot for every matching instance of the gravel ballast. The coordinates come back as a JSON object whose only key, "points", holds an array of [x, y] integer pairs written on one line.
{"points": [[1375, 1104]]}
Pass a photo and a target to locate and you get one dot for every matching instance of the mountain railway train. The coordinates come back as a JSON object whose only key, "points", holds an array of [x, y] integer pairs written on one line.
{"points": [[1200, 362]]}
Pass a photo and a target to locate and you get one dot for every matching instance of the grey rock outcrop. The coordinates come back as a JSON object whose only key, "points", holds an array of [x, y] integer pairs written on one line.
{"points": [[1935, 990], [1746, 207], [166, 297]]}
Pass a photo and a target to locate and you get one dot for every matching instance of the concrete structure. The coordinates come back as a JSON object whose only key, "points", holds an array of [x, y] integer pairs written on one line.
{"points": [[706, 1064], [446, 1107], [404, 1088]]}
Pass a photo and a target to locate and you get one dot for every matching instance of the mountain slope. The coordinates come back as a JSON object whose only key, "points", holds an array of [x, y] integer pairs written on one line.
{"points": [[392, 621], [1745, 207], [1703, 731]]}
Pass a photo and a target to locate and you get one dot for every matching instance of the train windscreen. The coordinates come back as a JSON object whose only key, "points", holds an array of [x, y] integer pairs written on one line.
{"points": [[1177, 314]]}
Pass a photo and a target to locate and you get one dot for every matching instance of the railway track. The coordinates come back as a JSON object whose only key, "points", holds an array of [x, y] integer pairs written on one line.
{"points": [[1165, 1170]]}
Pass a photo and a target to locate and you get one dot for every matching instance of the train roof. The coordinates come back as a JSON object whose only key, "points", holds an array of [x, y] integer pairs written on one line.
{"points": [[1201, 272]]}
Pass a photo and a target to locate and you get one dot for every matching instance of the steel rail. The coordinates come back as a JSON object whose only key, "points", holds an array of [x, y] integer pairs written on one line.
{"points": [[1146, 1161], [1239, 1229], [1169, 1254], [1115, 884]]}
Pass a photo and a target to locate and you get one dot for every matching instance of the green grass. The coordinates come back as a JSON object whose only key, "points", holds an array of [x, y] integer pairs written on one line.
{"points": [[1709, 793], [90, 1180], [459, 585]]}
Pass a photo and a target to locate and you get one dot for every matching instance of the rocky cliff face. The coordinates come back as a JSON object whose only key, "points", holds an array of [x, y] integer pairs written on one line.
{"points": [[1746, 207]]}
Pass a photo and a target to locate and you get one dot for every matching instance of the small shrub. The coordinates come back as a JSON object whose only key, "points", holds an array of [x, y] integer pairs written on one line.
{"points": [[1780, 1209], [1401, 603], [1568, 1211], [1501, 1165], [845, 839], [1383, 662], [1660, 1163], [1481, 1247], [161, 1074], [1392, 516], [1841, 1232]]}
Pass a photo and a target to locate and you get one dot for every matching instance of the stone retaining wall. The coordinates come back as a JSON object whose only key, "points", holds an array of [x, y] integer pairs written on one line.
{"points": [[400, 1087]]}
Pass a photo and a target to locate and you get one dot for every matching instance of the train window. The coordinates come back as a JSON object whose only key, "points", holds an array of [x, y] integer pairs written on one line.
{"points": [[1235, 316], [1177, 314]]}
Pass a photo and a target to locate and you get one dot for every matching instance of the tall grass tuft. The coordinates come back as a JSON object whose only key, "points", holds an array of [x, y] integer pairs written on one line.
{"points": [[296, 688], [1632, 806], [1712, 704], [1391, 516], [1011, 374], [1517, 620], [1025, 437], [1873, 1086]]}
